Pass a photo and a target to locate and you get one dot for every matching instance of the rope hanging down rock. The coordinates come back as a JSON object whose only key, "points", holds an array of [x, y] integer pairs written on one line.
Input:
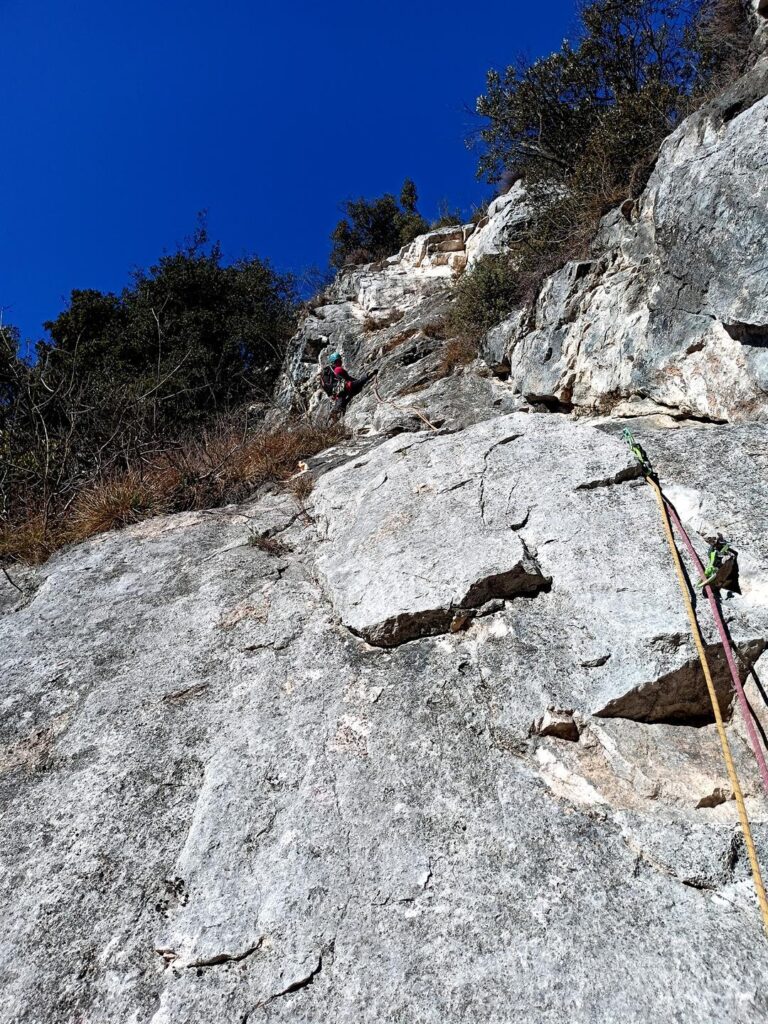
{"points": [[652, 481], [708, 588]]}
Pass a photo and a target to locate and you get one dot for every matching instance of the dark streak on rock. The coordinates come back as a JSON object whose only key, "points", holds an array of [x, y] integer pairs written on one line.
{"points": [[628, 473], [186, 694], [294, 986], [227, 958]]}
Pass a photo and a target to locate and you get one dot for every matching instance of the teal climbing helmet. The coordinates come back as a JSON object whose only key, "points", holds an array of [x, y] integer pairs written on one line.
{"points": [[334, 356]]}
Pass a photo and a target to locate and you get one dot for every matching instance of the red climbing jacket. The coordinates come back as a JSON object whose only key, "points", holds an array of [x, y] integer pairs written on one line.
{"points": [[339, 371]]}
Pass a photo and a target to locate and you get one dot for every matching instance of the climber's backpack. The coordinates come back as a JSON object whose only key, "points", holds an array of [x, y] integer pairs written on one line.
{"points": [[332, 385]]}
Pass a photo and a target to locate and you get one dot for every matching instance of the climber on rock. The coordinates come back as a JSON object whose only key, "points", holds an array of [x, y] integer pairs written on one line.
{"points": [[339, 385]]}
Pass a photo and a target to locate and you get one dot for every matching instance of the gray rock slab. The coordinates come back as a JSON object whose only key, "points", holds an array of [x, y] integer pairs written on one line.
{"points": [[426, 526], [218, 804]]}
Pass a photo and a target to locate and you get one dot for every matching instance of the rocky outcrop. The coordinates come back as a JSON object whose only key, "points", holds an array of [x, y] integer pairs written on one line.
{"points": [[502, 224], [670, 315], [370, 301], [447, 525], [390, 316], [415, 505]]}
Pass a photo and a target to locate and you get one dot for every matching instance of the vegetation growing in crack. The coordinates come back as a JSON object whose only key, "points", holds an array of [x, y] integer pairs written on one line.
{"points": [[582, 127]]}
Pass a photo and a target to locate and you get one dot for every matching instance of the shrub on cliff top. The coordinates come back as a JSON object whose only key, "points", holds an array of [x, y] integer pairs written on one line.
{"points": [[631, 64], [582, 126], [373, 229], [722, 37]]}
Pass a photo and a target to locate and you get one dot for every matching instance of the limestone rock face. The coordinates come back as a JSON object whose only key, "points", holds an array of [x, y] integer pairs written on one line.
{"points": [[506, 215], [445, 524], [672, 310], [429, 507], [442, 751], [303, 785], [390, 316]]}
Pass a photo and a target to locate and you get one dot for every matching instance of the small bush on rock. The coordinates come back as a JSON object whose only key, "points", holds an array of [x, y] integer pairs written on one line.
{"points": [[484, 296], [437, 329], [455, 353], [373, 229], [446, 217]]}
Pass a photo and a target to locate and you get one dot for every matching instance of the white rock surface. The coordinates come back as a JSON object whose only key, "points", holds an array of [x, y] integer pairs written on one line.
{"points": [[506, 217], [673, 307]]}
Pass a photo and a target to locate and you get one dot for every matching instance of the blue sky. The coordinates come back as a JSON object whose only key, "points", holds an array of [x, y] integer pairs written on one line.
{"points": [[120, 120]]}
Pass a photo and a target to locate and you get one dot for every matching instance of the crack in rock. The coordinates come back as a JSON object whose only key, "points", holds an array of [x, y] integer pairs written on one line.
{"points": [[524, 580], [216, 960], [295, 986], [681, 697], [596, 662], [755, 335], [486, 457], [628, 473], [186, 694]]}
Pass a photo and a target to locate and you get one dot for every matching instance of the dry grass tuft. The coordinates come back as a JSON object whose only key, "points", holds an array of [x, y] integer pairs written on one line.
{"points": [[397, 341], [117, 502], [301, 486], [379, 323], [457, 352], [31, 540], [437, 329], [270, 545], [220, 468]]}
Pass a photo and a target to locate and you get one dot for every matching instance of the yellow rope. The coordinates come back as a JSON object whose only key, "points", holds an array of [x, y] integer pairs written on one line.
{"points": [[733, 777]]}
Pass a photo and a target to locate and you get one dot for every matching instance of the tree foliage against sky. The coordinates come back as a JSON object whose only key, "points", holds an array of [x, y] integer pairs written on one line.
{"points": [[626, 74], [373, 229], [189, 335], [189, 339], [582, 126]]}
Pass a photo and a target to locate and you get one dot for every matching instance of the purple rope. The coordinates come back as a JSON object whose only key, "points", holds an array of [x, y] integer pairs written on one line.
{"points": [[746, 711]]}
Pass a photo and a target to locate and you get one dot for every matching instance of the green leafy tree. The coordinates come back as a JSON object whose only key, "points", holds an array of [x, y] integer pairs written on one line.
{"points": [[189, 337], [22, 429], [447, 217], [123, 376], [628, 73], [582, 127], [373, 229], [409, 197]]}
